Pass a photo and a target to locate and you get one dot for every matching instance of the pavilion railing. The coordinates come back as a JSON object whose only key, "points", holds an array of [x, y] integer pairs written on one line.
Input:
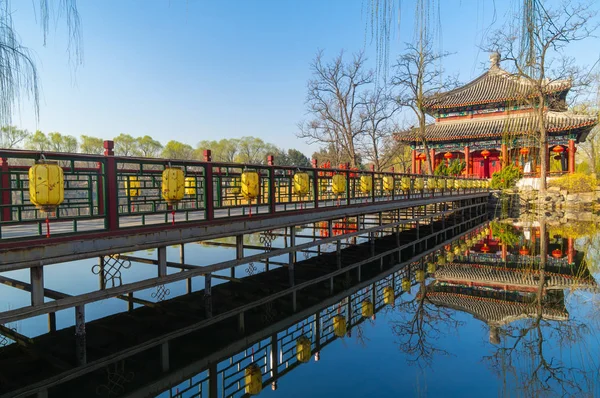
{"points": [[97, 197]]}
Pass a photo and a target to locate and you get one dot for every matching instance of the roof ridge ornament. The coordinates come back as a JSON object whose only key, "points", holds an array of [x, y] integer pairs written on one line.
{"points": [[494, 60]]}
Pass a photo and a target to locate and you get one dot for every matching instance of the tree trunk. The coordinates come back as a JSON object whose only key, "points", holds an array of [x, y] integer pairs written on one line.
{"points": [[424, 141], [543, 144]]}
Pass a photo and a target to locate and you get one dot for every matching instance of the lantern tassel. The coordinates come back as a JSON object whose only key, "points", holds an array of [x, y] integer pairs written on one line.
{"points": [[250, 215], [173, 214], [47, 226]]}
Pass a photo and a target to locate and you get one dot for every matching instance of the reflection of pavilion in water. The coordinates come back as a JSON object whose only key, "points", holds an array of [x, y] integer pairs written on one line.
{"points": [[501, 283]]}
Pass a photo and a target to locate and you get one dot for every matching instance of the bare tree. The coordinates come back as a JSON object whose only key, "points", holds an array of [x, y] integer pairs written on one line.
{"points": [[418, 76], [534, 43], [379, 108], [335, 99]]}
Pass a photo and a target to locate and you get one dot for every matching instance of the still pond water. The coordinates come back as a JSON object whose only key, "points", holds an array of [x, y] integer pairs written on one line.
{"points": [[489, 322]]}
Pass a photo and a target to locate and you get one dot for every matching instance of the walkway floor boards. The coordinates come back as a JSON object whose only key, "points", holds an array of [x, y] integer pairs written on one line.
{"points": [[20, 366]]}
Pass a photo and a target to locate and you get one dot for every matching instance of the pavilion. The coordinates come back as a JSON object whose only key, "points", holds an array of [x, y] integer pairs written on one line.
{"points": [[488, 123]]}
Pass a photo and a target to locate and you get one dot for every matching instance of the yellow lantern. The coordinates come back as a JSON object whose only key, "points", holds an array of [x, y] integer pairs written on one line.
{"points": [[339, 326], [405, 183], [405, 284], [388, 295], [338, 184], [173, 184], [366, 184], [132, 186], [388, 183], [441, 183], [431, 268], [46, 185], [301, 183], [190, 186], [441, 260], [303, 349], [457, 184], [249, 185], [419, 184], [253, 380], [420, 275], [457, 251], [450, 257], [367, 309]]}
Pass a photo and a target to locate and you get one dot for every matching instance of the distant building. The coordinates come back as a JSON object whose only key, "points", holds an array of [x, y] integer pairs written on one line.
{"points": [[488, 123]]}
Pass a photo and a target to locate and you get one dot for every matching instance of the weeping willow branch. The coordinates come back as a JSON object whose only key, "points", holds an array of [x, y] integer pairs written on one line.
{"points": [[18, 72]]}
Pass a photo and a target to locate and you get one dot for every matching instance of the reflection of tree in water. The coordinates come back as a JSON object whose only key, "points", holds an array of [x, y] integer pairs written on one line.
{"points": [[527, 354], [421, 323]]}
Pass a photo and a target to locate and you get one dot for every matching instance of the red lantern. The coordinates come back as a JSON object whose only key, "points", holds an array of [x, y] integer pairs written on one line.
{"points": [[524, 151], [485, 248], [422, 156], [557, 253], [524, 251], [448, 155], [485, 153], [558, 149]]}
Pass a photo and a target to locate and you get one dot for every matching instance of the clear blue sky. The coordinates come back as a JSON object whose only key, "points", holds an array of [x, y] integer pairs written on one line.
{"points": [[193, 70]]}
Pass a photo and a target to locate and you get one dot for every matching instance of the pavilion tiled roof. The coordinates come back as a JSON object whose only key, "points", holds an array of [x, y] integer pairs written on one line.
{"points": [[498, 126], [512, 276], [495, 85], [494, 311]]}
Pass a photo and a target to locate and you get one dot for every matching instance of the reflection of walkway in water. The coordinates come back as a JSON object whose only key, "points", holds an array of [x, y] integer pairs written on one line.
{"points": [[263, 299]]}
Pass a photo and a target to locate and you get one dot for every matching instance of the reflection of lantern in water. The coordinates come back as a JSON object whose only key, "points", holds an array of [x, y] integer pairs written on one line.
{"points": [[367, 308], [420, 275], [339, 326], [524, 151], [524, 251], [405, 284], [253, 379], [485, 248], [388, 295], [431, 268], [557, 253], [303, 349]]}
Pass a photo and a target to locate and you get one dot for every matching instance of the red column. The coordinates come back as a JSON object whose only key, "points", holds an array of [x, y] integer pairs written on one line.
{"points": [[547, 159], [6, 192], [315, 182], [271, 163], [432, 155], [209, 186], [418, 171], [570, 251], [571, 156], [467, 159], [112, 188], [504, 151], [413, 167]]}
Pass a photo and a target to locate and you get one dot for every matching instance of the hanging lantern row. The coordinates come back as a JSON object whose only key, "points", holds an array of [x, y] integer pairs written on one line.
{"points": [[558, 149], [524, 151]]}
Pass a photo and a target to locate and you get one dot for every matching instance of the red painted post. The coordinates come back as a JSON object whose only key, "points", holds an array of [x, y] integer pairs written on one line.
{"points": [[413, 166], [432, 156], [467, 161], [6, 192], [209, 195], [315, 182], [571, 163], [504, 151], [347, 167], [111, 200], [272, 196]]}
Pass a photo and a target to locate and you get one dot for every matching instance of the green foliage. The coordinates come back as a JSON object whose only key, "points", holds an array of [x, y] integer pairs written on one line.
{"points": [[178, 150], [37, 142], [455, 168], [11, 137], [576, 182], [91, 145], [147, 147], [506, 233], [124, 145], [506, 178], [55, 142]]}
